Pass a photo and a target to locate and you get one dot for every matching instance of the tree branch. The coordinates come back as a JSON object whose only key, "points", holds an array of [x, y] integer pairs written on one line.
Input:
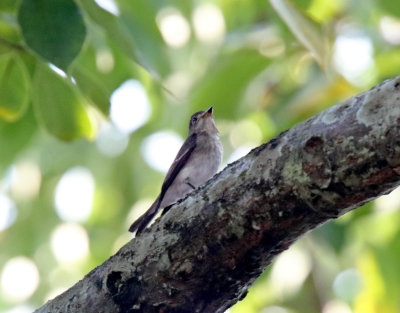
{"points": [[203, 255]]}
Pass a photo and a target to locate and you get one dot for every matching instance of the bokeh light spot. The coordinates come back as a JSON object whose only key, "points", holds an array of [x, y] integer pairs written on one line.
{"points": [[74, 195], [390, 29], [209, 23], [290, 271], [130, 107], [336, 306], [160, 149], [353, 58], [21, 309], [69, 243], [110, 140], [8, 212], [108, 5], [104, 61], [25, 180], [19, 279], [347, 284], [174, 27], [388, 203]]}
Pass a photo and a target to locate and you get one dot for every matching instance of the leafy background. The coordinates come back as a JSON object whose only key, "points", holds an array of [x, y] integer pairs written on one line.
{"points": [[95, 98]]}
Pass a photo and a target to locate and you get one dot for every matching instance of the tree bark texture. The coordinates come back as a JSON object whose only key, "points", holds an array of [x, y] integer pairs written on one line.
{"points": [[203, 255]]}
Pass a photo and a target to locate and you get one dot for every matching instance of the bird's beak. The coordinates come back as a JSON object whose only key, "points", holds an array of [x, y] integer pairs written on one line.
{"points": [[209, 112]]}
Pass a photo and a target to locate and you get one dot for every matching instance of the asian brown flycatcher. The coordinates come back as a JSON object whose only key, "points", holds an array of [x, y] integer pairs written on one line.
{"points": [[196, 162]]}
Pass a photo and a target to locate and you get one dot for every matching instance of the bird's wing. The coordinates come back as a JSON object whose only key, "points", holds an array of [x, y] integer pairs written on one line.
{"points": [[146, 218], [180, 160]]}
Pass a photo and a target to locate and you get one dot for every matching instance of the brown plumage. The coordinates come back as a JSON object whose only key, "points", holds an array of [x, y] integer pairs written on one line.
{"points": [[196, 162]]}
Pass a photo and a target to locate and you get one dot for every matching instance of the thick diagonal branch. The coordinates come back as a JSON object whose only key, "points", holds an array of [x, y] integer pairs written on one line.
{"points": [[208, 249]]}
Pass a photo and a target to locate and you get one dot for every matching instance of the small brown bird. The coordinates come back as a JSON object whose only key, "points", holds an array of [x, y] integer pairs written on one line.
{"points": [[196, 162]]}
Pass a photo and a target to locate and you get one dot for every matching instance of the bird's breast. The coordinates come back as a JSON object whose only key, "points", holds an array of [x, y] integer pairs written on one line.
{"points": [[205, 160]]}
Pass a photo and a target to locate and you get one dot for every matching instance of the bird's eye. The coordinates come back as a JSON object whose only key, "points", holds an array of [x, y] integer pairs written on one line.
{"points": [[194, 119]]}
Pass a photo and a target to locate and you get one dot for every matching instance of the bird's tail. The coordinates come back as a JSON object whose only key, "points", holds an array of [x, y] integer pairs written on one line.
{"points": [[140, 224]]}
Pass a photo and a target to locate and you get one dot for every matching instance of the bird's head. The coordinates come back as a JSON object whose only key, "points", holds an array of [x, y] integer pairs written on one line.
{"points": [[203, 121]]}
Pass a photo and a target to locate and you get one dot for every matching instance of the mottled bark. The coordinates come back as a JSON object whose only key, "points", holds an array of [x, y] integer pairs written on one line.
{"points": [[208, 249]]}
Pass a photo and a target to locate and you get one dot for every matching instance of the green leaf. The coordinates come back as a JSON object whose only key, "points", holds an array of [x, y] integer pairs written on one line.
{"points": [[8, 5], [391, 7], [54, 29], [60, 107], [135, 32], [97, 85], [227, 79], [15, 136], [304, 29], [14, 87], [93, 88], [10, 35], [139, 18]]}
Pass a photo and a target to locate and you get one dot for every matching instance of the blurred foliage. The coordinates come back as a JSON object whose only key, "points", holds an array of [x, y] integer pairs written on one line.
{"points": [[264, 68]]}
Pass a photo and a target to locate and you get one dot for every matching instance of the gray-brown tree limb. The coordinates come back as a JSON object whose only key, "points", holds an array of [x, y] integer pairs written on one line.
{"points": [[203, 255]]}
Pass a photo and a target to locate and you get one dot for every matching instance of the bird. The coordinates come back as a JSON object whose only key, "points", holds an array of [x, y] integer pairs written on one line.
{"points": [[196, 162]]}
